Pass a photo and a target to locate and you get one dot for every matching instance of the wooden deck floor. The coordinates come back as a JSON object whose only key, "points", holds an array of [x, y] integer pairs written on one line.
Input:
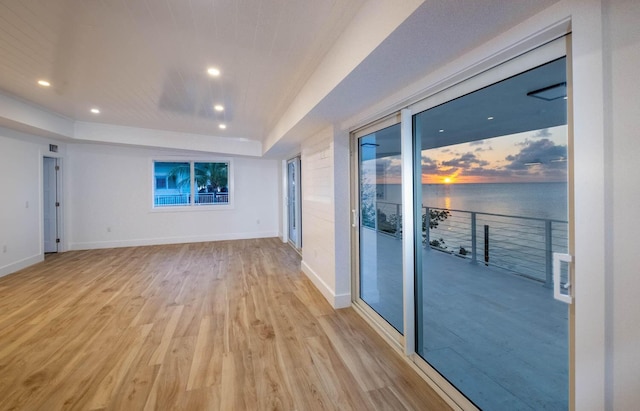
{"points": [[500, 338], [223, 326]]}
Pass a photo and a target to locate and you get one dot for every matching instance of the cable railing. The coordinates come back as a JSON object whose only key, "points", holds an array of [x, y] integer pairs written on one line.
{"points": [[520, 244]]}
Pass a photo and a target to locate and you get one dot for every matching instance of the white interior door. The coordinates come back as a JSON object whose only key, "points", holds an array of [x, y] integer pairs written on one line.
{"points": [[50, 198]]}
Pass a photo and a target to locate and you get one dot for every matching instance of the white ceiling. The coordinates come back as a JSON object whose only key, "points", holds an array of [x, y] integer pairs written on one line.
{"points": [[143, 62]]}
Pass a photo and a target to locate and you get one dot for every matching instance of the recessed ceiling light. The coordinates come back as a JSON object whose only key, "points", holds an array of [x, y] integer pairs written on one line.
{"points": [[441, 130], [489, 118], [218, 107], [222, 126], [213, 71], [95, 110], [44, 83]]}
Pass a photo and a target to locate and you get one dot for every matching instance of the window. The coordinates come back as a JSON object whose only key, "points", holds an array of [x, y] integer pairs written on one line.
{"points": [[161, 182], [191, 183]]}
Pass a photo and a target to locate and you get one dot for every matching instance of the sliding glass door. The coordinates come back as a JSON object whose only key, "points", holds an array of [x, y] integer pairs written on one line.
{"points": [[379, 224], [476, 294], [493, 198]]}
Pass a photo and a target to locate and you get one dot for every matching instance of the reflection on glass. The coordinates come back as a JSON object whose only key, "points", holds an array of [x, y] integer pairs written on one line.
{"points": [[381, 224], [494, 207], [172, 184], [212, 183]]}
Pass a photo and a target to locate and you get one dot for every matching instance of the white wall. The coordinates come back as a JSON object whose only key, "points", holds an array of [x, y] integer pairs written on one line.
{"points": [[20, 208], [342, 216], [326, 243], [622, 119], [318, 216], [110, 201]]}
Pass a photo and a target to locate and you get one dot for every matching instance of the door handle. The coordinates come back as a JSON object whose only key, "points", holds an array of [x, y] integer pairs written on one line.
{"points": [[354, 218], [557, 259]]}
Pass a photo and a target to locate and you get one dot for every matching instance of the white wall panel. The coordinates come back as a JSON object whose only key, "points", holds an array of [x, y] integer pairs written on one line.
{"points": [[318, 225], [110, 189]]}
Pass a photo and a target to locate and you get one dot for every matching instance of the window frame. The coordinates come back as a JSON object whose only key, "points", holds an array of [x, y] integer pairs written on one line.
{"points": [[192, 205]]}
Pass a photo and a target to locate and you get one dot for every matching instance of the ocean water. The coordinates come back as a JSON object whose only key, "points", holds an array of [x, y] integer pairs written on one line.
{"points": [[538, 200], [521, 221]]}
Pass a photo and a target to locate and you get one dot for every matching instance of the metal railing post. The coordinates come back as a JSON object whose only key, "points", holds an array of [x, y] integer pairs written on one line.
{"points": [[486, 244], [398, 220], [548, 255], [474, 255]]}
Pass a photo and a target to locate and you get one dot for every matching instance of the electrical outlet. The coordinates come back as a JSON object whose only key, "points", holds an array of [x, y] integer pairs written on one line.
{"points": [[26, 204], [258, 222], [108, 229], [4, 248]]}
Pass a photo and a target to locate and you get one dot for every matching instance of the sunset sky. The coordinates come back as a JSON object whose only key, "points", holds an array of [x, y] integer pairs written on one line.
{"points": [[535, 156]]}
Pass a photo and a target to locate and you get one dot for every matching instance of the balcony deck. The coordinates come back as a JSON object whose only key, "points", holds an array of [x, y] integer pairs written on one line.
{"points": [[499, 337]]}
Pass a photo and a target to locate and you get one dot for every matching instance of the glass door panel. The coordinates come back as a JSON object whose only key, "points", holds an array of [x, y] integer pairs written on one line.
{"points": [[493, 189], [293, 196], [380, 228]]}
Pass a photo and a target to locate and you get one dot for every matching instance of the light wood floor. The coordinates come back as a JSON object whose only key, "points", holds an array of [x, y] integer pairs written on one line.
{"points": [[228, 325]]}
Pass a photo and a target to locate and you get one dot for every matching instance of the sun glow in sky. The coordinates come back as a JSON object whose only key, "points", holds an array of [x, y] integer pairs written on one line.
{"points": [[534, 156]]}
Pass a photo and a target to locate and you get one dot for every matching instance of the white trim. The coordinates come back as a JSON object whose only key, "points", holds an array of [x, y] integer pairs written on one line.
{"points": [[93, 245], [446, 390], [336, 300], [590, 195], [20, 264], [384, 328], [408, 231]]}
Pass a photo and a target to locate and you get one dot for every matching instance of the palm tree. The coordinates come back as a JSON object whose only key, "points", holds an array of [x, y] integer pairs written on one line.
{"points": [[207, 176]]}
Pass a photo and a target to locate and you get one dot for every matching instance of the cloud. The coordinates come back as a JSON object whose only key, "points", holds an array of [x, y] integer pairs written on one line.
{"points": [[465, 161], [542, 133], [543, 153], [428, 165]]}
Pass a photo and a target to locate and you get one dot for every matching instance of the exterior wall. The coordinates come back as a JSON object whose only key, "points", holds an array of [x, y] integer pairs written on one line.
{"points": [[21, 206], [111, 201]]}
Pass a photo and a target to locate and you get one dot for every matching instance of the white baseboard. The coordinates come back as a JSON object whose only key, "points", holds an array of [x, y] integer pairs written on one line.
{"points": [[19, 265], [336, 300], [93, 245]]}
